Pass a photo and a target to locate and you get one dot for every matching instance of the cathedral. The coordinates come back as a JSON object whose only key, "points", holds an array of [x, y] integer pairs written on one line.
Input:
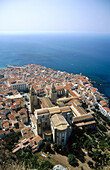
{"points": [[34, 101], [53, 122], [53, 94], [44, 102]]}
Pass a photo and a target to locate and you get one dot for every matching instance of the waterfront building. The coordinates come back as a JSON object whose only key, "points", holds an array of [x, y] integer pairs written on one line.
{"points": [[16, 84], [104, 109]]}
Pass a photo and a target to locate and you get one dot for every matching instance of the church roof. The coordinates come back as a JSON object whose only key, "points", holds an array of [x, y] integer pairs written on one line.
{"points": [[46, 102], [54, 110], [65, 109], [41, 111], [59, 122]]}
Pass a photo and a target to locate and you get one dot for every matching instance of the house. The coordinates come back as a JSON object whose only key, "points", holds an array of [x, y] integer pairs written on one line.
{"points": [[16, 84], [23, 115], [33, 143], [2, 134], [103, 106], [27, 132], [38, 90]]}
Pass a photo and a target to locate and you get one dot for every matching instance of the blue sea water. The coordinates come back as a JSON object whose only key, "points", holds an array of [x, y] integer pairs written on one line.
{"points": [[86, 54]]}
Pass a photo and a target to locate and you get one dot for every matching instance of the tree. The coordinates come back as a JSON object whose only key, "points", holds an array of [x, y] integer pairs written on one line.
{"points": [[64, 150], [102, 145], [94, 144], [88, 145], [105, 158], [102, 128], [56, 147], [82, 168], [72, 160], [75, 147], [81, 141], [47, 147], [96, 165], [90, 163], [34, 162], [29, 159], [96, 155], [45, 165]]}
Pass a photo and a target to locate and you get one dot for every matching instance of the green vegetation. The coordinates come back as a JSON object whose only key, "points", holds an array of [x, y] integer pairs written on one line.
{"points": [[6, 156], [60, 149], [31, 160], [96, 144], [56, 147], [72, 160], [45, 165], [99, 115], [46, 147], [82, 168], [12, 140], [90, 163], [26, 156], [26, 99]]}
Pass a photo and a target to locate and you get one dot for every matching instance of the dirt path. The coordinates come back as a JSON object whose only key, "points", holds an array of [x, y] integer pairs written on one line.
{"points": [[63, 160]]}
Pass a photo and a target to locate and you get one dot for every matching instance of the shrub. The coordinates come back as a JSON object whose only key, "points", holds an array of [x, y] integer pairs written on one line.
{"points": [[90, 163], [82, 168], [56, 147], [45, 165], [88, 145], [72, 160], [46, 147]]}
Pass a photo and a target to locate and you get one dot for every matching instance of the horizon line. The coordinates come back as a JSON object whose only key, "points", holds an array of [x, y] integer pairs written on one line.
{"points": [[52, 32]]}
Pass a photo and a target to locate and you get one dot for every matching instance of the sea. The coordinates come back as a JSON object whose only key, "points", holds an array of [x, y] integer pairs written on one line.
{"points": [[88, 54]]}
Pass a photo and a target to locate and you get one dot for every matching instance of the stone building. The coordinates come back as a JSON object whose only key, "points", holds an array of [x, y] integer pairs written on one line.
{"points": [[42, 121], [60, 91], [60, 129], [53, 94], [56, 123], [67, 114], [34, 101], [86, 120], [43, 126]]}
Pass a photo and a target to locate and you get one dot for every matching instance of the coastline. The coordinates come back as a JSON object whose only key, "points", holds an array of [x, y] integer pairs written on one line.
{"points": [[95, 83], [75, 54]]}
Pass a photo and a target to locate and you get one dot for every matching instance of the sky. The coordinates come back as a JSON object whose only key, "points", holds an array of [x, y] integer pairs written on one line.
{"points": [[77, 16]]}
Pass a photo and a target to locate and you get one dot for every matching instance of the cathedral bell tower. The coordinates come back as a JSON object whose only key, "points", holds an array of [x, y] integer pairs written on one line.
{"points": [[53, 94], [34, 103]]}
